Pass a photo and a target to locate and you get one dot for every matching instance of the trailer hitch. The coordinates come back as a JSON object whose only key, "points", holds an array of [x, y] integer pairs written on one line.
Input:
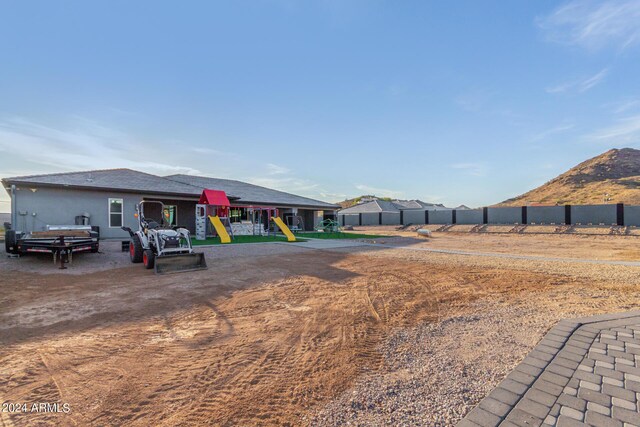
{"points": [[63, 253]]}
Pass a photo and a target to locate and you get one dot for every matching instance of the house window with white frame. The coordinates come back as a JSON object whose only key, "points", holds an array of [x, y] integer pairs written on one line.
{"points": [[115, 213]]}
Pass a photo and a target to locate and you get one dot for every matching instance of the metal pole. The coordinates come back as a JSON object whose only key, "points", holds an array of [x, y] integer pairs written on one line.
{"points": [[14, 211]]}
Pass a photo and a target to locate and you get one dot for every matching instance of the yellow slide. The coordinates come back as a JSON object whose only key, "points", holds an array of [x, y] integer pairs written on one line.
{"points": [[220, 229], [283, 227]]}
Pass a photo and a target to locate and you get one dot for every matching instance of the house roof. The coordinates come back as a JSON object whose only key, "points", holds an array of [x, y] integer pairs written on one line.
{"points": [[250, 193], [128, 180]]}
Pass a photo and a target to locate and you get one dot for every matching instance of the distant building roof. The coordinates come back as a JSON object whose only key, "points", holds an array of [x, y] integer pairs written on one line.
{"points": [[463, 208], [371, 207], [408, 204], [128, 180], [390, 206], [415, 204]]}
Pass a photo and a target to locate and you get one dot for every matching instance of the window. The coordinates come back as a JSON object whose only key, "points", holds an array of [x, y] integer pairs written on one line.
{"points": [[170, 214], [115, 213]]}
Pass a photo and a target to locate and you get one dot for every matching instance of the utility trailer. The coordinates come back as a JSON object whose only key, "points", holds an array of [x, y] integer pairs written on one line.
{"points": [[61, 241]]}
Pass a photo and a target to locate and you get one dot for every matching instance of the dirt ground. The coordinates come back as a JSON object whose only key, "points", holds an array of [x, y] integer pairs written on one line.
{"points": [[624, 248], [280, 335]]}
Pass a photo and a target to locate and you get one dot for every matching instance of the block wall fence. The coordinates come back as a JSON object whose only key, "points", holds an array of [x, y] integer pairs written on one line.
{"points": [[617, 214]]}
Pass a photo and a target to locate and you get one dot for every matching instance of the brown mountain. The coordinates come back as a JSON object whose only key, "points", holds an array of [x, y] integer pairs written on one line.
{"points": [[613, 177]]}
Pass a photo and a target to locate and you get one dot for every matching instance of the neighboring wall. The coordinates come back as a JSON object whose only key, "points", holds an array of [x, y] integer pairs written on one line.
{"points": [[440, 217], [350, 219], [414, 217], [579, 214], [390, 218], [369, 218], [471, 216], [593, 214], [545, 214], [504, 215], [632, 215]]}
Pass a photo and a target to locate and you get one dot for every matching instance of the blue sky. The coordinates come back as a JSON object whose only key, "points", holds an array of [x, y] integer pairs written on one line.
{"points": [[467, 102]]}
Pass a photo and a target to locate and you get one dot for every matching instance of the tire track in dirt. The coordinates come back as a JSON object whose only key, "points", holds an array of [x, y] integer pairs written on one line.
{"points": [[292, 334]]}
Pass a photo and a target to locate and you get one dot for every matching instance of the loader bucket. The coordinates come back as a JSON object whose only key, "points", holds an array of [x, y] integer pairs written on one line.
{"points": [[180, 263]]}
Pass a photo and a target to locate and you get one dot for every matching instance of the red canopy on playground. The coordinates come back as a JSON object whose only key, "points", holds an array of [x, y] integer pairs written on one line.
{"points": [[214, 197]]}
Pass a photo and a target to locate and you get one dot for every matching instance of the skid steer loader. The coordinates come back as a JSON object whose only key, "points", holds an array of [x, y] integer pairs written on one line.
{"points": [[160, 246]]}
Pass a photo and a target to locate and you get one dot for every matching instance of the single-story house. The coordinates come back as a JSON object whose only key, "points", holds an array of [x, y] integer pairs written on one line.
{"points": [[108, 199]]}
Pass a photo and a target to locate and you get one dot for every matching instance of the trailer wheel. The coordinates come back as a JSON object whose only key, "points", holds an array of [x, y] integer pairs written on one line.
{"points": [[135, 249], [10, 242], [148, 259]]}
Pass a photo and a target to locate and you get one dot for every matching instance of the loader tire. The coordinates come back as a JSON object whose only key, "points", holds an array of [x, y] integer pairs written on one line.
{"points": [[148, 259], [135, 249]]}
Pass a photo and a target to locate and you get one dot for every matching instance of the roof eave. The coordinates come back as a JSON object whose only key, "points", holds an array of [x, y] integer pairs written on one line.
{"points": [[91, 188]]}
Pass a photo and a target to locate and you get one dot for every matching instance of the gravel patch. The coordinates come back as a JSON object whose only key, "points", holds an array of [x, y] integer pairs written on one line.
{"points": [[435, 373]]}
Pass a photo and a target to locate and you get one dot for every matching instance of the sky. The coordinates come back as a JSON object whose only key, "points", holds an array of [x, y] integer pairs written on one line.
{"points": [[462, 102]]}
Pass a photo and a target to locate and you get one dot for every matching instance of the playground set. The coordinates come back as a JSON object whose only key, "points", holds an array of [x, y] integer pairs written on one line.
{"points": [[213, 218]]}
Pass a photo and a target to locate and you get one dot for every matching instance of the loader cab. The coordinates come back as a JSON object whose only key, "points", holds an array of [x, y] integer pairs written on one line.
{"points": [[151, 214]]}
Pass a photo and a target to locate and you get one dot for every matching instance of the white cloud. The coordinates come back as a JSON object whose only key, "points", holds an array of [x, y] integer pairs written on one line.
{"points": [[475, 169], [333, 197], [552, 131], [82, 146], [580, 85], [593, 80], [381, 192], [273, 169], [626, 130], [204, 150], [594, 25], [284, 179], [623, 106]]}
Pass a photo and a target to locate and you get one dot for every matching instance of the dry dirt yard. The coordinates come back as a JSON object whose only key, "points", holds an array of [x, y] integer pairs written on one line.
{"points": [[274, 334], [589, 246]]}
